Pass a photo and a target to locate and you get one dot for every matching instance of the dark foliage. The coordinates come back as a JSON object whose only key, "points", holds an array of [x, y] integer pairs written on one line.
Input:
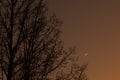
{"points": [[30, 45]]}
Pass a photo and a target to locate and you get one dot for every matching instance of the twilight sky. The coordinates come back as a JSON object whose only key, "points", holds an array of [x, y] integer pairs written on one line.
{"points": [[94, 27]]}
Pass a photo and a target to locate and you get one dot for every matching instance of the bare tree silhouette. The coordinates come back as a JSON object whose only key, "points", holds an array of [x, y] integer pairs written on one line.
{"points": [[30, 44]]}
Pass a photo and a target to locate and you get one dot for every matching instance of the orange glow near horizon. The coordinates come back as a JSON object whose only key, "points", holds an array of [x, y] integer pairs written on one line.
{"points": [[93, 25]]}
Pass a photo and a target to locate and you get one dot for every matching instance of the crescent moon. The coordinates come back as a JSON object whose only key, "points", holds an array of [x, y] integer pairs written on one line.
{"points": [[86, 54]]}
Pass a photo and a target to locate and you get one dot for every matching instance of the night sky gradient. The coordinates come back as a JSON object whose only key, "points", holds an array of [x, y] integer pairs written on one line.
{"points": [[94, 27]]}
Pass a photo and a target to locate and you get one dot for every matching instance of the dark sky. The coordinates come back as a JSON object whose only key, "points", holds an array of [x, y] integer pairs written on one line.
{"points": [[94, 27]]}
